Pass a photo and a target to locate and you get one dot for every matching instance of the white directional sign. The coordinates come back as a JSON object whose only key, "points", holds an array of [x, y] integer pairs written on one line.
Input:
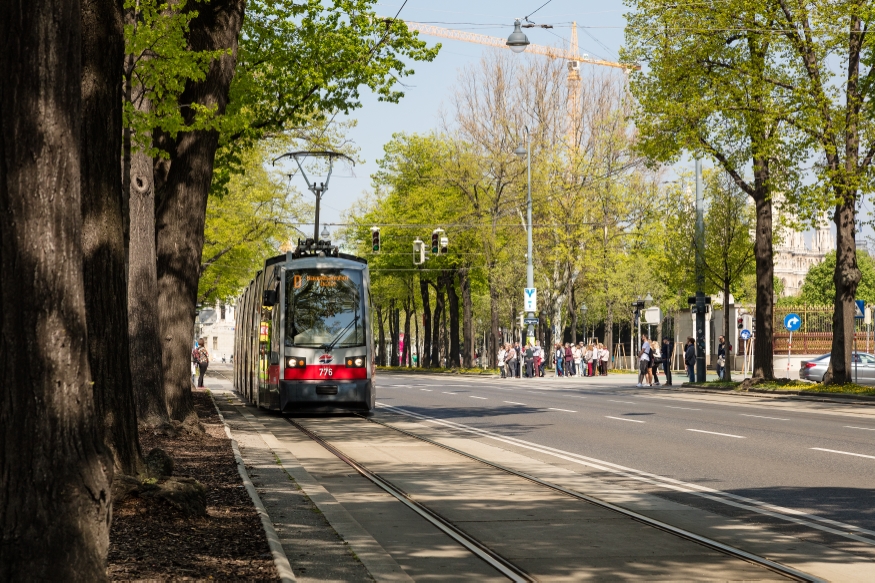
{"points": [[530, 300], [652, 316]]}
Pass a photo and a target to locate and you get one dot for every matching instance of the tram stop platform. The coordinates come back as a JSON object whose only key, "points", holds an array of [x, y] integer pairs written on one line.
{"points": [[336, 524]]}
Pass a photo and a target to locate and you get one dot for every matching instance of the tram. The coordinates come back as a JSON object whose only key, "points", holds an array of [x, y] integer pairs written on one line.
{"points": [[303, 340]]}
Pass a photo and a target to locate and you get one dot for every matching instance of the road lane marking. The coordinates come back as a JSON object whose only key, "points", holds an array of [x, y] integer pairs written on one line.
{"points": [[429, 390], [628, 402], [715, 433], [687, 408], [763, 417], [447, 393], [473, 397], [871, 457], [566, 410], [621, 419], [515, 403], [821, 523], [866, 428]]}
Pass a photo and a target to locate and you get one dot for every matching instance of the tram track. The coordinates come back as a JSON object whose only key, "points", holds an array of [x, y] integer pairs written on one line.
{"points": [[494, 559]]}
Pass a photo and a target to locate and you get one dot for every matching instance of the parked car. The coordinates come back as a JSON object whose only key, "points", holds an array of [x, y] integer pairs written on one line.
{"points": [[863, 368]]}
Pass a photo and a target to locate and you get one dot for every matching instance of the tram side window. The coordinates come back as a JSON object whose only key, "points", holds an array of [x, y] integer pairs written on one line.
{"points": [[324, 309]]}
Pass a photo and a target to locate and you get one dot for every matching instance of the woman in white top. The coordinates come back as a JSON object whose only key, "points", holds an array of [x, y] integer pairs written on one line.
{"points": [[502, 353], [575, 352], [604, 358]]}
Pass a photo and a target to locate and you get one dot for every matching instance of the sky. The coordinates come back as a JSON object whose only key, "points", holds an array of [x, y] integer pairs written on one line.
{"points": [[432, 84]]}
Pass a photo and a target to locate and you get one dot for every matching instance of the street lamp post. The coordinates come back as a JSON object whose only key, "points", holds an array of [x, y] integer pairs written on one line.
{"points": [[530, 272]]}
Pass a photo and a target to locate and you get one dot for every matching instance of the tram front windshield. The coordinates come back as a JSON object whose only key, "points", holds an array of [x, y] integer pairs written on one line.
{"points": [[324, 308]]}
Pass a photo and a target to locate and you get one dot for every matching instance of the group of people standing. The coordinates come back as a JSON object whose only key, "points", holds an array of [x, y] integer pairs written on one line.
{"points": [[579, 360], [651, 358]]}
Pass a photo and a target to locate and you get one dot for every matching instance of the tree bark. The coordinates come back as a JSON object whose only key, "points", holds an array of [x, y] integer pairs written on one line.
{"points": [[609, 333], [763, 360], [436, 329], [104, 270], [182, 201], [467, 318], [453, 300], [55, 472], [143, 328], [405, 355], [572, 307], [727, 371], [846, 278], [393, 334], [493, 318], [425, 357], [381, 337]]}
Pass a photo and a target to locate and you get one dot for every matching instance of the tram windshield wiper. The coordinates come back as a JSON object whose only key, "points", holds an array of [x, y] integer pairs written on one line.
{"points": [[330, 346]]}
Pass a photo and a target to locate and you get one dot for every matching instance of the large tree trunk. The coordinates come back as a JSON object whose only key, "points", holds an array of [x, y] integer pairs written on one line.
{"points": [[436, 324], [55, 473], [143, 294], [763, 360], [425, 356], [393, 334], [453, 301], [405, 355], [381, 337], [467, 318], [182, 201], [846, 278], [494, 333], [572, 308], [104, 270], [609, 333]]}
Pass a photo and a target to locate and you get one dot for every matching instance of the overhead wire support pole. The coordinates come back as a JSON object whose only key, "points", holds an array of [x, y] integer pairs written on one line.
{"points": [[700, 276]]}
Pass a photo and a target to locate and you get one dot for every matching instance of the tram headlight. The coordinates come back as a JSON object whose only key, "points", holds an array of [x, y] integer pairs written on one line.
{"points": [[296, 362], [355, 361]]}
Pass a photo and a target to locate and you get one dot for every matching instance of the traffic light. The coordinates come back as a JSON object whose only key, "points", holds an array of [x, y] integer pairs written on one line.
{"points": [[418, 252], [435, 241], [375, 239], [445, 243], [741, 323]]}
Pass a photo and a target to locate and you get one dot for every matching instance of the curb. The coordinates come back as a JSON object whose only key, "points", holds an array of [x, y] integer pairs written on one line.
{"points": [[283, 567], [806, 395]]}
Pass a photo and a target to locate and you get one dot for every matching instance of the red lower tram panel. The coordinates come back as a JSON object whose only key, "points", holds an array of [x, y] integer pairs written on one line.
{"points": [[325, 372]]}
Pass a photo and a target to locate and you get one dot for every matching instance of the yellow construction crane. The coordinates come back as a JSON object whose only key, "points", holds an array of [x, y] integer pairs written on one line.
{"points": [[572, 55]]}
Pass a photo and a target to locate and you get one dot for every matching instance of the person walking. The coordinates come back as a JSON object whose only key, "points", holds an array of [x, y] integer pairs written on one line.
{"points": [[530, 361], [643, 361], [539, 360], [655, 361], [510, 361], [502, 352], [569, 360], [559, 357], [667, 348], [194, 362], [690, 359], [605, 358], [203, 361], [721, 357]]}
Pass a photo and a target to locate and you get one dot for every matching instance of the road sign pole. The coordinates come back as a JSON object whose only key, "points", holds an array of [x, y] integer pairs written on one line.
{"points": [[789, 346]]}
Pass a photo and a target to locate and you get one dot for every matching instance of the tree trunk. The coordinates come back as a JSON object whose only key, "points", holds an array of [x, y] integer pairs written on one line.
{"points": [[103, 247], [727, 370], [182, 201], [405, 355], [846, 278], [56, 473], [425, 356], [393, 333], [436, 324], [453, 301], [609, 333], [763, 360], [493, 321], [381, 338], [467, 319], [572, 307]]}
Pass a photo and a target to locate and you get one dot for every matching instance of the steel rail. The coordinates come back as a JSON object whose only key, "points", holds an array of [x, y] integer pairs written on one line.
{"points": [[496, 561], [702, 540]]}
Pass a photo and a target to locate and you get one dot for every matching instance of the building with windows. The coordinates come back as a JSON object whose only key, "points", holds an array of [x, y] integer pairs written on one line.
{"points": [[216, 324], [793, 258]]}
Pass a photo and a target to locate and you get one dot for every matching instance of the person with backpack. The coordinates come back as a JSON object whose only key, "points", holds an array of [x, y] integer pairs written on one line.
{"points": [[644, 360], [203, 361], [690, 358]]}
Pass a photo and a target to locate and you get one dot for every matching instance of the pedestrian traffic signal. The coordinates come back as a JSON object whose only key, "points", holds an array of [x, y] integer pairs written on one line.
{"points": [[418, 252], [741, 323], [435, 242], [375, 239], [445, 243]]}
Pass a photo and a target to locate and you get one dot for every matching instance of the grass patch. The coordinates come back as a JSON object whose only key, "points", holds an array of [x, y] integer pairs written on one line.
{"points": [[809, 387]]}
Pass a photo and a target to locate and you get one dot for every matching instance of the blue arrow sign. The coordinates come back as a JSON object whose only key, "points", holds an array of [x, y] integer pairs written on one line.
{"points": [[792, 322], [745, 334], [860, 312]]}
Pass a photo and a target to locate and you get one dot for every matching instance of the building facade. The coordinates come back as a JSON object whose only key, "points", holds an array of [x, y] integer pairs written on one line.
{"points": [[793, 258]]}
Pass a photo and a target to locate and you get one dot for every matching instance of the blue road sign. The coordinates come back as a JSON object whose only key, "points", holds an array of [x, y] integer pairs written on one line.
{"points": [[860, 312], [745, 334], [792, 322]]}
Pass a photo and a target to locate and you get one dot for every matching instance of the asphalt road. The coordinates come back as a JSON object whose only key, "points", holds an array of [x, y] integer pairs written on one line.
{"points": [[809, 461]]}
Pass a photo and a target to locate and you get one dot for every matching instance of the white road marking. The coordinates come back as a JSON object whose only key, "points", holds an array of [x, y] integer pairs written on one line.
{"points": [[515, 403], [429, 390], [715, 433], [621, 419], [566, 410], [687, 408], [866, 428], [763, 417], [629, 402], [473, 397], [446, 393], [871, 457]]}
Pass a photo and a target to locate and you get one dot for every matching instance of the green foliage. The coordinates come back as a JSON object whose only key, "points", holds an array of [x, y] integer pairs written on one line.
{"points": [[819, 286], [246, 226]]}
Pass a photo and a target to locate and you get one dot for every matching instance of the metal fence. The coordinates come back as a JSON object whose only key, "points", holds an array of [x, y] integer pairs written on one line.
{"points": [[815, 335]]}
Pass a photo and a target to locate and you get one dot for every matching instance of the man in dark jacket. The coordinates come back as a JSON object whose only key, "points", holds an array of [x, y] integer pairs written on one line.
{"points": [[667, 348], [690, 359]]}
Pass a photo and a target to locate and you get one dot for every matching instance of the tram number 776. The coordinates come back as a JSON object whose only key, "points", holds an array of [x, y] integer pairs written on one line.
{"points": [[326, 371]]}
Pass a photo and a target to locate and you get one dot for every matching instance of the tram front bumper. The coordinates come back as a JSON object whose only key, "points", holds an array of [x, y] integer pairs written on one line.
{"points": [[326, 395]]}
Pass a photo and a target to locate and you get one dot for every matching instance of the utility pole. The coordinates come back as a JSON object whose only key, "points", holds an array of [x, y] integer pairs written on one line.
{"points": [[700, 276]]}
